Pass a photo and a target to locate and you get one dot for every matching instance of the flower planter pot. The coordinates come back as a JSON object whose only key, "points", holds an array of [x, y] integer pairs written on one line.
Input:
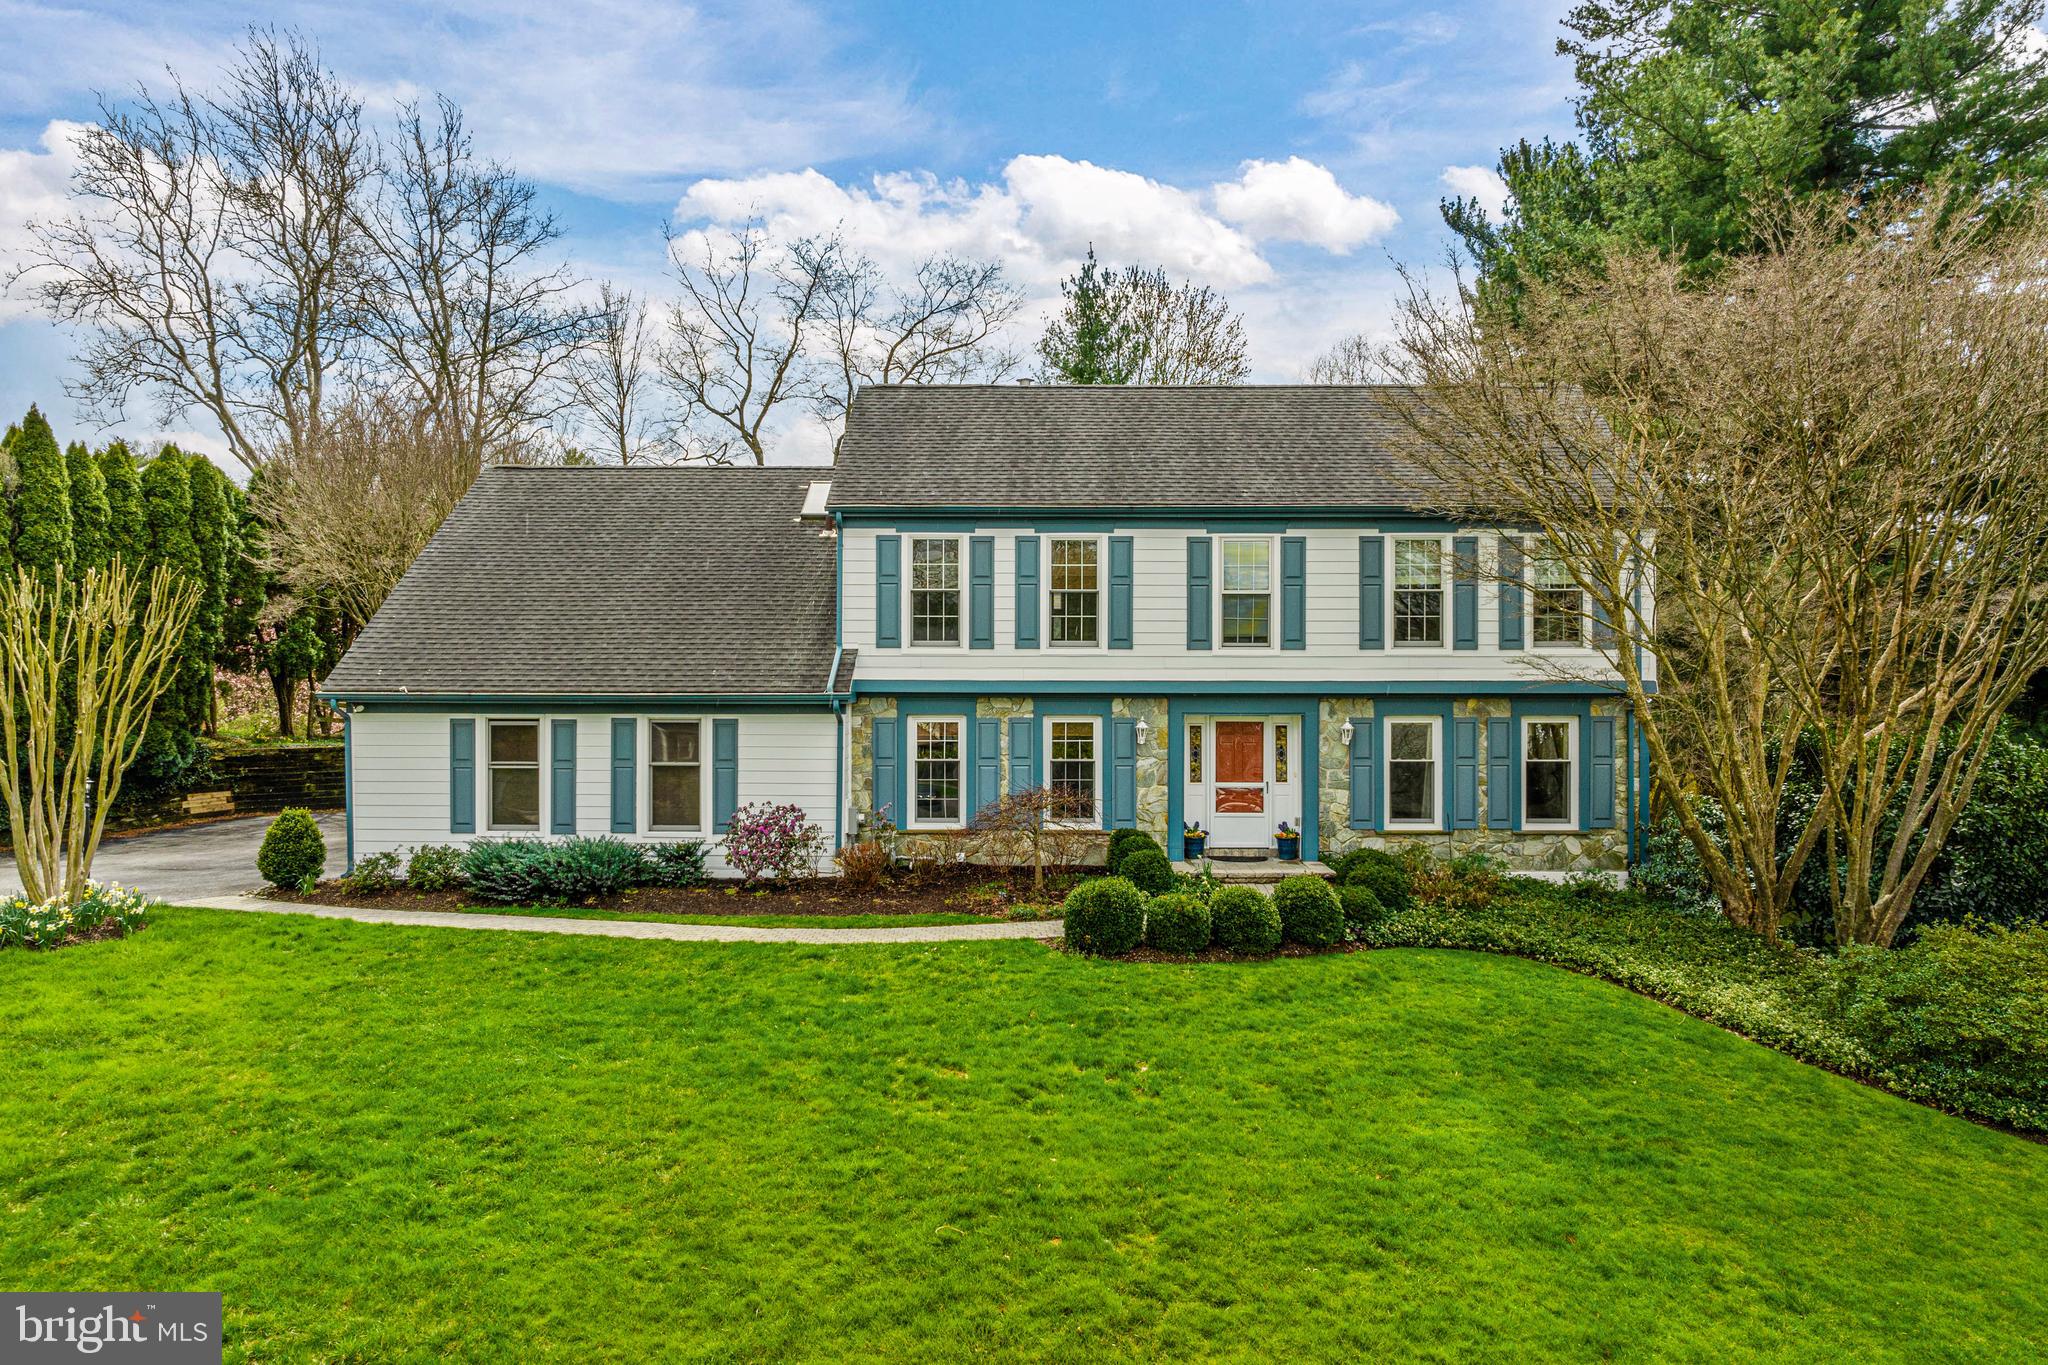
{"points": [[1192, 846], [1287, 847]]}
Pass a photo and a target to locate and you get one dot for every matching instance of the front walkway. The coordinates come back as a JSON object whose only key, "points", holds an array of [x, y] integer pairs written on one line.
{"points": [[623, 928]]}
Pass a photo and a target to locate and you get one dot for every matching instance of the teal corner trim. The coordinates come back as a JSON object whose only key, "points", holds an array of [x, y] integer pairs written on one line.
{"points": [[348, 796]]}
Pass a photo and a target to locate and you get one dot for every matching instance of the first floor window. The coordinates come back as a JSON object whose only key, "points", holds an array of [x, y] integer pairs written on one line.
{"points": [[1411, 773], [1418, 592], [935, 591], [1247, 592], [1558, 604], [1072, 591], [515, 774], [939, 772], [675, 783], [1071, 767], [1547, 789]]}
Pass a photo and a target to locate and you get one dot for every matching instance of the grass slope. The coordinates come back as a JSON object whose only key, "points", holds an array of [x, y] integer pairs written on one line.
{"points": [[391, 1144]]}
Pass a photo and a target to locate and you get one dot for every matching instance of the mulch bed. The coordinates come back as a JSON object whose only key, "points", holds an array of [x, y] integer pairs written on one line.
{"points": [[937, 891]]}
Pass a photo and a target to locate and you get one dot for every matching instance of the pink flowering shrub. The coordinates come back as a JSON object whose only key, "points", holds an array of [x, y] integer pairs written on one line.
{"points": [[772, 843]]}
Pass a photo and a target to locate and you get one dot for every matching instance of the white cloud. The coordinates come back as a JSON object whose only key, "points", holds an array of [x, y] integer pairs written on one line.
{"points": [[33, 185], [1477, 182], [1298, 201]]}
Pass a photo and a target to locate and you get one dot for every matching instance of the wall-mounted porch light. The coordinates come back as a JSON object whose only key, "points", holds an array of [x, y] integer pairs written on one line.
{"points": [[1144, 733], [1344, 732]]}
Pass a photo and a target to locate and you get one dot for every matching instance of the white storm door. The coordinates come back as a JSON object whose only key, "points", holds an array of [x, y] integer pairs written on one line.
{"points": [[1241, 798]]}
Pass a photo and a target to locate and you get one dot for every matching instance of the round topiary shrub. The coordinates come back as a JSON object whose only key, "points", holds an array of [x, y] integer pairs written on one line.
{"points": [[1383, 873], [1148, 870], [1309, 913], [1362, 909], [1105, 917], [293, 853], [1123, 843], [1176, 924], [1243, 921]]}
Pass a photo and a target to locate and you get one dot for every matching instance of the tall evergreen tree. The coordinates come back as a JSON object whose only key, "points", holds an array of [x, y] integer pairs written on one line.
{"points": [[42, 499], [167, 516], [127, 528], [213, 538], [7, 482], [89, 513], [1089, 342]]}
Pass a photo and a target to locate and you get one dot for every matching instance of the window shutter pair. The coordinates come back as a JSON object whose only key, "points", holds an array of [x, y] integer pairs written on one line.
{"points": [[1464, 810], [562, 777], [1293, 592], [1123, 773], [886, 799], [1023, 753], [1465, 592], [1365, 773], [1511, 611], [987, 760], [725, 774], [1502, 797]]}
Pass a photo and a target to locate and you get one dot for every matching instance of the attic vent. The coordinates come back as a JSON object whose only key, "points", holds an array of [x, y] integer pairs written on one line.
{"points": [[815, 497]]}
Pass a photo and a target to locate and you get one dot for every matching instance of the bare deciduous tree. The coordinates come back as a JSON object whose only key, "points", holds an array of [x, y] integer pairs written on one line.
{"points": [[82, 663], [1827, 462], [1354, 360], [610, 376], [1135, 326], [1039, 827]]}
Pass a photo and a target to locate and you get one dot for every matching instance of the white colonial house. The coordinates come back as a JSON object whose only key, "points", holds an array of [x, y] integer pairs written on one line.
{"points": [[1227, 607]]}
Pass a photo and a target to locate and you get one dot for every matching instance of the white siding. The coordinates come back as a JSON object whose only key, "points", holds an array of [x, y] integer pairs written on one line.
{"points": [[399, 774], [1159, 649]]}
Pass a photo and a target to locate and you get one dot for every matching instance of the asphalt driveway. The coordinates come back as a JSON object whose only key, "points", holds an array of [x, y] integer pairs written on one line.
{"points": [[186, 866]]}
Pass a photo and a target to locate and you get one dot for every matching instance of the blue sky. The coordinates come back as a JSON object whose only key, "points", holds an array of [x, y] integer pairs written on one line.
{"points": [[1286, 154]]}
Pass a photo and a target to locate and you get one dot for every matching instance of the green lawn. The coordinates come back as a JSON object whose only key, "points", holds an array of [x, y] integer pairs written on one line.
{"points": [[393, 1143]]}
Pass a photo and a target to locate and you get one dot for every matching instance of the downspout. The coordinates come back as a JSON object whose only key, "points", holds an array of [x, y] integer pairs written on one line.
{"points": [[839, 737]]}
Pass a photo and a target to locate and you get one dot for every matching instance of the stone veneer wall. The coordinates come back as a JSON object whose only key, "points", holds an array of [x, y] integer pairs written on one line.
{"points": [[1588, 850]]}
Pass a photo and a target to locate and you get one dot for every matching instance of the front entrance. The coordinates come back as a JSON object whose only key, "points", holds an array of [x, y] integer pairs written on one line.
{"points": [[1242, 778]]}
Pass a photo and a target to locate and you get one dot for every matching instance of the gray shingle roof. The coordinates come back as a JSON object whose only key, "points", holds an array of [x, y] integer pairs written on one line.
{"points": [[610, 582], [1046, 445]]}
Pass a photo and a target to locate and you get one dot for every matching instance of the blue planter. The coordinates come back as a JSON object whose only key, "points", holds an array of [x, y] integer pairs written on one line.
{"points": [[1192, 846], [1288, 847]]}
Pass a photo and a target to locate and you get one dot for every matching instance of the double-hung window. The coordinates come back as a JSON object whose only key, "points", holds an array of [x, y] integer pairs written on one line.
{"points": [[675, 774], [1412, 784], [515, 774], [1557, 604], [1073, 589], [1419, 591], [1247, 592], [935, 590], [1549, 795], [1073, 767], [938, 772]]}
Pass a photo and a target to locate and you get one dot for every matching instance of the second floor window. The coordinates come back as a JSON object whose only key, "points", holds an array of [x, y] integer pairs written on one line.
{"points": [[1558, 604], [1418, 592], [1247, 592], [1073, 592], [935, 591]]}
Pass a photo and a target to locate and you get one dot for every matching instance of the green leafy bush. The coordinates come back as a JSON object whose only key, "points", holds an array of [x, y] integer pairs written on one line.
{"points": [[293, 853], [375, 874], [509, 871], [584, 869], [1309, 913], [1362, 908], [1243, 921], [434, 867], [1379, 870], [1670, 870], [1124, 842], [1176, 923], [1105, 917], [1148, 870], [1468, 881], [676, 864]]}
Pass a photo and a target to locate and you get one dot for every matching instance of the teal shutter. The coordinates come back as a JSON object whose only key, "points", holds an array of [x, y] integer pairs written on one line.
{"points": [[888, 591], [1365, 774], [1119, 592], [1500, 773], [981, 592], [1372, 596], [887, 797], [1199, 612], [988, 764], [462, 777], [1603, 628], [1027, 592], [725, 772], [1598, 801], [625, 804], [1464, 773], [1123, 773], [1465, 593], [1293, 592], [1023, 753], [1510, 592], [562, 777]]}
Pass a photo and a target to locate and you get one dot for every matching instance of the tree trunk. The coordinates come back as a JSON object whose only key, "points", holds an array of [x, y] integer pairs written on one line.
{"points": [[285, 691]]}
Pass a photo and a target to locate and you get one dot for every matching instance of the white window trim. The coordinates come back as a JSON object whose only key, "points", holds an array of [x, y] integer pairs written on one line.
{"points": [[910, 640], [1571, 783], [646, 776], [1530, 591], [1447, 577], [1101, 640], [1272, 592], [1094, 724], [911, 821], [540, 766], [1436, 787]]}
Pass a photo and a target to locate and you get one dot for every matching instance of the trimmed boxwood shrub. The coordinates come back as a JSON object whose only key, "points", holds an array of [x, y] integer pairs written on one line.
{"points": [[677, 864], [1124, 842], [1309, 913], [509, 871], [1176, 924], [1243, 921], [1148, 870], [586, 868], [293, 853], [1105, 917], [1381, 871], [1362, 909]]}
